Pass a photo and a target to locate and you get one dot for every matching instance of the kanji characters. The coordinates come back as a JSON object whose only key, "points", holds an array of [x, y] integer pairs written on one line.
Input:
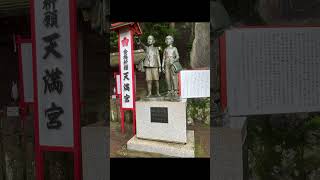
{"points": [[127, 98], [50, 49], [48, 4], [126, 76], [51, 18], [52, 81], [53, 113], [126, 86]]}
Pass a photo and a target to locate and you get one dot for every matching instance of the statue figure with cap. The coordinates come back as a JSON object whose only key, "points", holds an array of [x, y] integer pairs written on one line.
{"points": [[151, 65]]}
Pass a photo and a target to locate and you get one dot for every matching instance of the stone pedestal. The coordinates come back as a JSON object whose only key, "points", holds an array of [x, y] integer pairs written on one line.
{"points": [[229, 151], [162, 120], [95, 152], [164, 148], [162, 128]]}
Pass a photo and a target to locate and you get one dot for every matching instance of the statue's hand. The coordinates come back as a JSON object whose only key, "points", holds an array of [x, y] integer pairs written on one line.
{"points": [[160, 69]]}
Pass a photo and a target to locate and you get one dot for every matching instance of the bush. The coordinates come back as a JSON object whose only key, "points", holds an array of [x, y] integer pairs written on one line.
{"points": [[199, 110]]}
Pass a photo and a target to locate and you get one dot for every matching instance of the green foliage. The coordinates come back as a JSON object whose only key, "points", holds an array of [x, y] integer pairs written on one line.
{"points": [[199, 150], [162, 84], [283, 147], [158, 30], [113, 42], [198, 109], [189, 45], [189, 48]]}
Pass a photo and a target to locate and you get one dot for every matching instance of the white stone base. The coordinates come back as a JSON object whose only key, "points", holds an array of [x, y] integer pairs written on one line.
{"points": [[175, 130], [165, 148]]}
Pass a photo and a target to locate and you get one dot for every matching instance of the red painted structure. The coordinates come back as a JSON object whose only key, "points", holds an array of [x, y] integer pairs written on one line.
{"points": [[76, 149], [134, 29]]}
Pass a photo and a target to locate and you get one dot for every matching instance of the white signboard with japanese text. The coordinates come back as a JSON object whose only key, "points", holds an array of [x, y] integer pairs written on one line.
{"points": [[53, 69], [13, 111], [126, 69], [118, 81], [194, 83], [26, 57], [273, 70]]}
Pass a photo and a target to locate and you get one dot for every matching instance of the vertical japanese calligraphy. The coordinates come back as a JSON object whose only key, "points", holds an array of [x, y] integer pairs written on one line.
{"points": [[52, 81], [273, 70], [53, 69], [50, 14], [194, 83], [52, 44], [126, 68], [53, 113]]}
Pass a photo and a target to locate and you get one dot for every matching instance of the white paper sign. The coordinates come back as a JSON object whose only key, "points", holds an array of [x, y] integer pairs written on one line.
{"points": [[273, 70], [13, 111], [118, 81], [195, 83], [126, 68], [54, 82], [26, 57]]}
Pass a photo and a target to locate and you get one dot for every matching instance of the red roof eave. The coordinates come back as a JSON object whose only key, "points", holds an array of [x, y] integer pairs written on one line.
{"points": [[135, 26], [118, 25]]}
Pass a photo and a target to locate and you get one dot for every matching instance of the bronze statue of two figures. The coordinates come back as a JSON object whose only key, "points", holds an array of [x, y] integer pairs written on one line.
{"points": [[152, 66]]}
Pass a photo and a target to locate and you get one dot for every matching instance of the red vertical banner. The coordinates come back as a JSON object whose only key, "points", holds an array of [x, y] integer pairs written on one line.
{"points": [[126, 68], [56, 81], [120, 90], [127, 77], [77, 163], [126, 32]]}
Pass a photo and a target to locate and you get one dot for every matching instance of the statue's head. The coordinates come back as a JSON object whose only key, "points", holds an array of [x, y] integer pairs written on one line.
{"points": [[151, 40], [169, 40]]}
